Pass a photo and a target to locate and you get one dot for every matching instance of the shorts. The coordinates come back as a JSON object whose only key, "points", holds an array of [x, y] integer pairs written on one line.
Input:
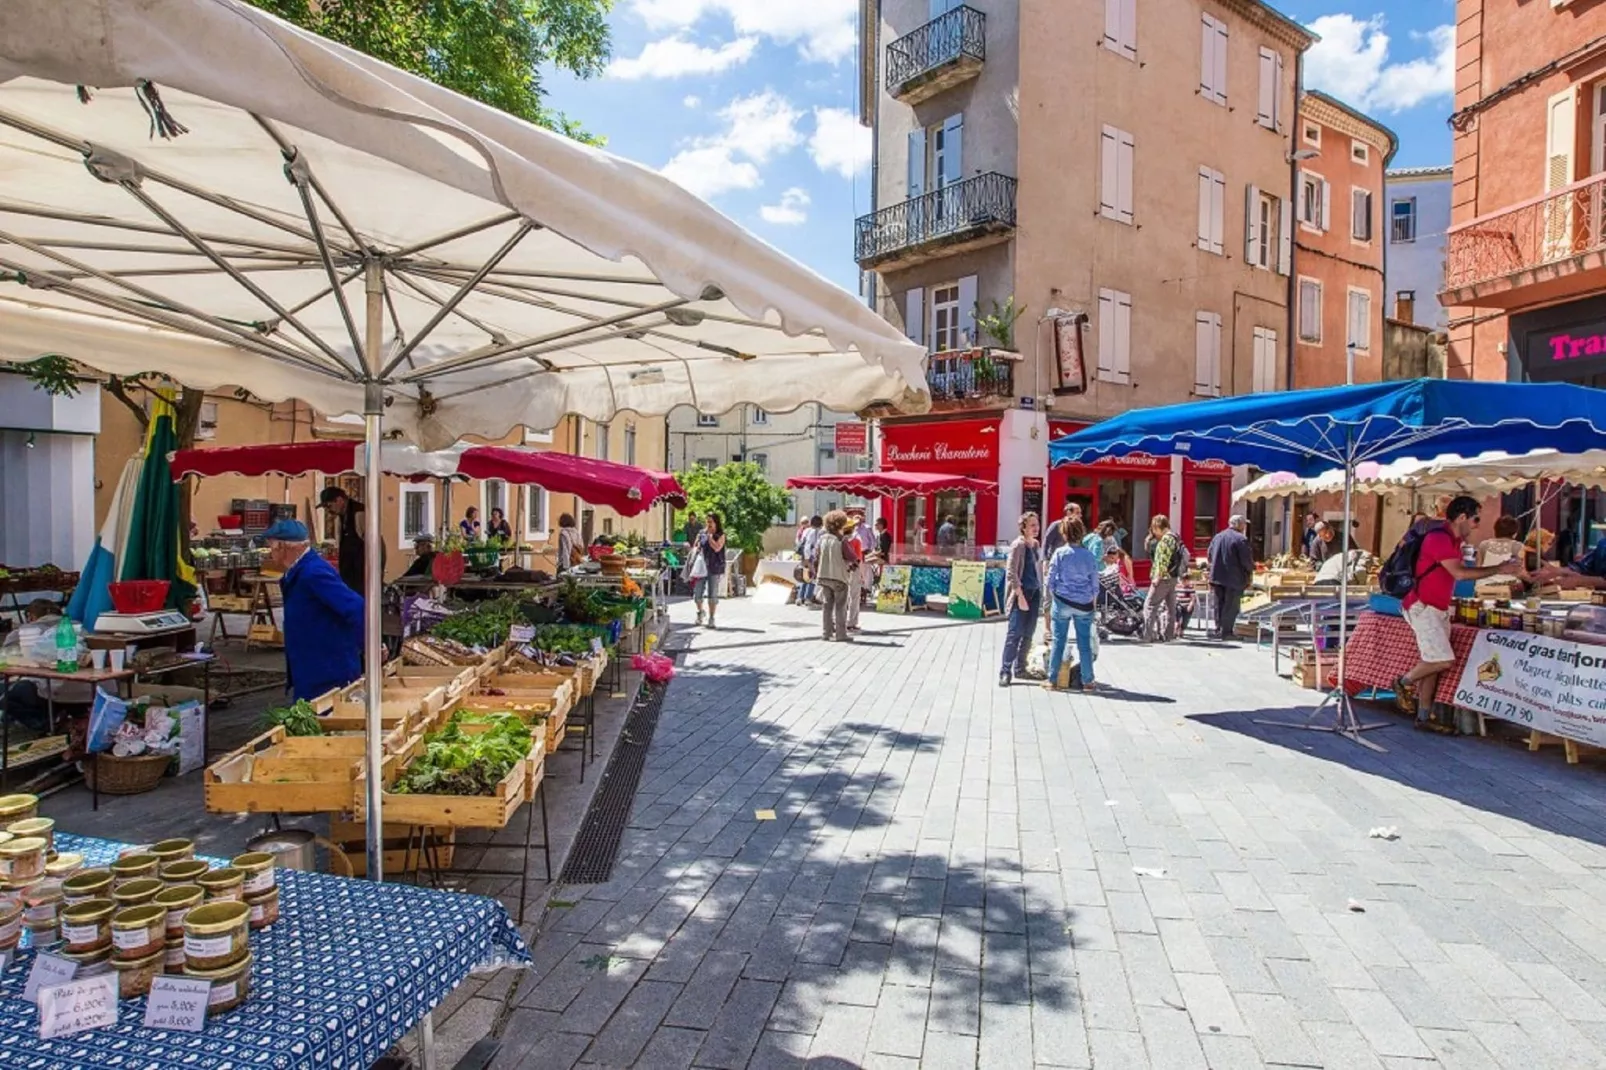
{"points": [[1432, 628], [706, 586]]}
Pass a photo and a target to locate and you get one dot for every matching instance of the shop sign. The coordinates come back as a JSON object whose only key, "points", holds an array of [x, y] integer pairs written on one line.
{"points": [[957, 448], [1566, 342], [1552, 685], [1070, 364], [1031, 495], [852, 437]]}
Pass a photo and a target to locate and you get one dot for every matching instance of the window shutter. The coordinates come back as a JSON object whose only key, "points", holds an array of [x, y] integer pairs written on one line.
{"points": [[939, 8], [1252, 225], [953, 155], [967, 311], [1266, 108], [1123, 337], [1124, 175], [1327, 206], [1207, 58], [917, 163], [1276, 90], [1560, 131], [1285, 239], [1218, 47], [1107, 171], [1206, 194], [1310, 310], [914, 314], [1106, 334], [1218, 212], [1120, 27], [1362, 215], [1202, 345]]}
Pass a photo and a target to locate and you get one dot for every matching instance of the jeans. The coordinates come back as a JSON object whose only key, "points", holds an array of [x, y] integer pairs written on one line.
{"points": [[706, 586], [835, 593], [1018, 640], [1083, 621], [1228, 601], [1160, 611], [805, 592]]}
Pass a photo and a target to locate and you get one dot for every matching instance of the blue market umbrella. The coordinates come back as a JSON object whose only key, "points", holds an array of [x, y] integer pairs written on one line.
{"points": [[1310, 431]]}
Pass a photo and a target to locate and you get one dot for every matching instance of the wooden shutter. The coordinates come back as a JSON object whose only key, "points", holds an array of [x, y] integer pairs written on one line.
{"points": [[1327, 206], [1252, 225], [1560, 131], [1206, 346], [1266, 106], [1206, 195], [1361, 214], [914, 314], [1110, 174], [1106, 334], [1218, 212], [1285, 238], [1123, 337], [953, 153], [917, 163], [967, 311], [1123, 168], [1213, 59], [1120, 27], [1218, 48]]}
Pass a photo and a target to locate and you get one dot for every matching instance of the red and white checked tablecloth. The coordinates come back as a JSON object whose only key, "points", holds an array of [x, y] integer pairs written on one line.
{"points": [[1382, 648]]}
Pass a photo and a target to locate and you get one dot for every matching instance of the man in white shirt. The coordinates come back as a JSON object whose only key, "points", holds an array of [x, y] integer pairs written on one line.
{"points": [[807, 548]]}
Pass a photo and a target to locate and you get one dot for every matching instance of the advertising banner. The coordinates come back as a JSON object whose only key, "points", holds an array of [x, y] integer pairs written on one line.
{"points": [[892, 593], [1553, 685], [967, 589]]}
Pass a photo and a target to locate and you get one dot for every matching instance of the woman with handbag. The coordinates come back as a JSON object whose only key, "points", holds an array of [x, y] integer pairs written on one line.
{"points": [[569, 552], [706, 570], [1073, 583]]}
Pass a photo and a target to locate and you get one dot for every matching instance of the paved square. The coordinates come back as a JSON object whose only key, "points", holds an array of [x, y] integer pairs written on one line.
{"points": [[958, 875]]}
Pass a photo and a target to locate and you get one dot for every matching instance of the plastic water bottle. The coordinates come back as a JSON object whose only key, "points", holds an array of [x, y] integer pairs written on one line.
{"points": [[66, 645]]}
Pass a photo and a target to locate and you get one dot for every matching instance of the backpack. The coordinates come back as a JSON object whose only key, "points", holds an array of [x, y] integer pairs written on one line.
{"points": [[1398, 576], [1179, 559]]}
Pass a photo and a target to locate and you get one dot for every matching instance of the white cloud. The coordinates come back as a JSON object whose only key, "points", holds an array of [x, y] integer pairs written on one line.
{"points": [[692, 100], [676, 57], [1351, 62], [823, 30], [839, 144], [757, 128], [792, 211]]}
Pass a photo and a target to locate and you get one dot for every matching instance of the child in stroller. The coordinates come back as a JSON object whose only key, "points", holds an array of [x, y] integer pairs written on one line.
{"points": [[1120, 603]]}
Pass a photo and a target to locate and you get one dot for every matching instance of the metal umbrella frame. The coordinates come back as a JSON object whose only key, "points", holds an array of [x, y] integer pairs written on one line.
{"points": [[340, 232]]}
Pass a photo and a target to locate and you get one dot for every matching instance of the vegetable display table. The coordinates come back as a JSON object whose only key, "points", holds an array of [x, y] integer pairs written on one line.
{"points": [[349, 968]]}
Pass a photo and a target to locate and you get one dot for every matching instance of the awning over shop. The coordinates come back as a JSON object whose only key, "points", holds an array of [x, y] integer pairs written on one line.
{"points": [[892, 484]]}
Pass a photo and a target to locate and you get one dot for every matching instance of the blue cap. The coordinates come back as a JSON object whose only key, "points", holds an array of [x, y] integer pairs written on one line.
{"points": [[285, 530]]}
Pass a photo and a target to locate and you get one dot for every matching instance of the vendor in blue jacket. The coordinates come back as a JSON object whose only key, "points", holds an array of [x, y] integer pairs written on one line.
{"points": [[323, 618]]}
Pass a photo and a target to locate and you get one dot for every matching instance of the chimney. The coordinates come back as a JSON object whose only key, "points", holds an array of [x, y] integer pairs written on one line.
{"points": [[1405, 306]]}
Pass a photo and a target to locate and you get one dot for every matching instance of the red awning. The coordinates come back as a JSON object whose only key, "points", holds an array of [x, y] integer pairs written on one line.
{"points": [[626, 489], [892, 484]]}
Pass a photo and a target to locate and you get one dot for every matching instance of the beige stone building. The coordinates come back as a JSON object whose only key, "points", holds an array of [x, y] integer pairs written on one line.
{"points": [[1120, 171]]}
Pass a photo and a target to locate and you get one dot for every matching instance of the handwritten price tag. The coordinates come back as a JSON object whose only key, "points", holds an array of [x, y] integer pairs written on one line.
{"points": [[521, 633], [596, 645], [177, 1003], [47, 970], [78, 1006]]}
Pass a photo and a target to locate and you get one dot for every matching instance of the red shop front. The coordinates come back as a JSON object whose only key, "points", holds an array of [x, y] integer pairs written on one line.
{"points": [[1196, 496], [950, 447]]}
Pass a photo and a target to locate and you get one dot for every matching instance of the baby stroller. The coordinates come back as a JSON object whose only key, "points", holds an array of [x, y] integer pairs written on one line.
{"points": [[1120, 611]]}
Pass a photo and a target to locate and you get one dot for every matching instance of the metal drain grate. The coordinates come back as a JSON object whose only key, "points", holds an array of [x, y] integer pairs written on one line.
{"points": [[597, 844]]}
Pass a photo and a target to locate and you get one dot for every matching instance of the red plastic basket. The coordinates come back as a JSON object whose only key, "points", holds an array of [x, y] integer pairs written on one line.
{"points": [[138, 596], [231, 521]]}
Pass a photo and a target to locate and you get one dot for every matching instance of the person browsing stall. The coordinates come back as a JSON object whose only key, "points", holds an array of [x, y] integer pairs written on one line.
{"points": [[423, 557], [351, 553], [1438, 566], [1232, 566], [323, 618]]}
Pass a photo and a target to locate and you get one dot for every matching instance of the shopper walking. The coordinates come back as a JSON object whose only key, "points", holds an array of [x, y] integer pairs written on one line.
{"points": [[1169, 562], [832, 569], [707, 569], [1073, 586], [808, 545], [1023, 594], [1232, 566]]}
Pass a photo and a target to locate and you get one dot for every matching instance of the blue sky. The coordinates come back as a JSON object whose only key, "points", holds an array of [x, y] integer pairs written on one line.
{"points": [[750, 103]]}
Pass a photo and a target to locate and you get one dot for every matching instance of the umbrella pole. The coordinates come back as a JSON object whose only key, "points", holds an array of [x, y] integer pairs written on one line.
{"points": [[373, 579]]}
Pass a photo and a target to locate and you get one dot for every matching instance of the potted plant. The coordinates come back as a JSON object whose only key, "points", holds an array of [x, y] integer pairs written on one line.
{"points": [[999, 324]]}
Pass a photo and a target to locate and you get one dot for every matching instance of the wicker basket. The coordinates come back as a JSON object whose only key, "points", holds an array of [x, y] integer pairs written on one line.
{"points": [[111, 775]]}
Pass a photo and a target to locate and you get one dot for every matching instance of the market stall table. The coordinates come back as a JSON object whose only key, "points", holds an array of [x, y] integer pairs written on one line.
{"points": [[1382, 648], [350, 967]]}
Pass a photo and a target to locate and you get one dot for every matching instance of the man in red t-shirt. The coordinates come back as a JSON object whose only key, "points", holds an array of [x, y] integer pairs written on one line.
{"points": [[1427, 607]]}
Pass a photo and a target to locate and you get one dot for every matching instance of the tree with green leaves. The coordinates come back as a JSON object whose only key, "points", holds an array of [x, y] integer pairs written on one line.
{"points": [[491, 50], [745, 500]]}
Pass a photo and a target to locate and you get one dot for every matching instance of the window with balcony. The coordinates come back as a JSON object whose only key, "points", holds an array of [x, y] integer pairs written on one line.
{"points": [[1402, 220], [1310, 310], [1115, 181], [945, 318], [1360, 223], [1360, 319], [945, 51], [1213, 60]]}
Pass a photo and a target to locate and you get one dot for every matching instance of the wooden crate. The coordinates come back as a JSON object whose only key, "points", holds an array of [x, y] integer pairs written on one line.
{"points": [[352, 838], [1305, 676], [530, 689], [557, 726], [457, 811], [398, 707], [280, 773]]}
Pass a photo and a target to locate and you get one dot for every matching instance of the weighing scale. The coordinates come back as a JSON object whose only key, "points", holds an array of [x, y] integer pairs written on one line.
{"points": [[158, 622]]}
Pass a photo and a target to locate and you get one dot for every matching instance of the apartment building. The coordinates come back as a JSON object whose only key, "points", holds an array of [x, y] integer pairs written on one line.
{"points": [[1339, 243], [803, 442], [1082, 206], [1416, 212], [1525, 258]]}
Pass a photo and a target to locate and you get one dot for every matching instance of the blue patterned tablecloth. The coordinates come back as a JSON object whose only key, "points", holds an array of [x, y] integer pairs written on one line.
{"points": [[349, 968], [930, 579]]}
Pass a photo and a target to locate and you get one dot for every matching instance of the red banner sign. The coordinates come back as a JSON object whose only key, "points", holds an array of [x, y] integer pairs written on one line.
{"points": [[852, 437], [965, 447]]}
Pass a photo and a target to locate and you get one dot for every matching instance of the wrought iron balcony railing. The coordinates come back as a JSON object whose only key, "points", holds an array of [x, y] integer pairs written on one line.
{"points": [[969, 375], [954, 37], [1549, 229], [982, 204]]}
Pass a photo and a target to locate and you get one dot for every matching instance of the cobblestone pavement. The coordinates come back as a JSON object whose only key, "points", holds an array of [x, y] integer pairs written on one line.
{"points": [[957, 875]]}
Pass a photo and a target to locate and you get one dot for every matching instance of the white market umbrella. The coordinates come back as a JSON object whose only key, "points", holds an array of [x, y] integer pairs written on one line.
{"points": [[1491, 473], [242, 203]]}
